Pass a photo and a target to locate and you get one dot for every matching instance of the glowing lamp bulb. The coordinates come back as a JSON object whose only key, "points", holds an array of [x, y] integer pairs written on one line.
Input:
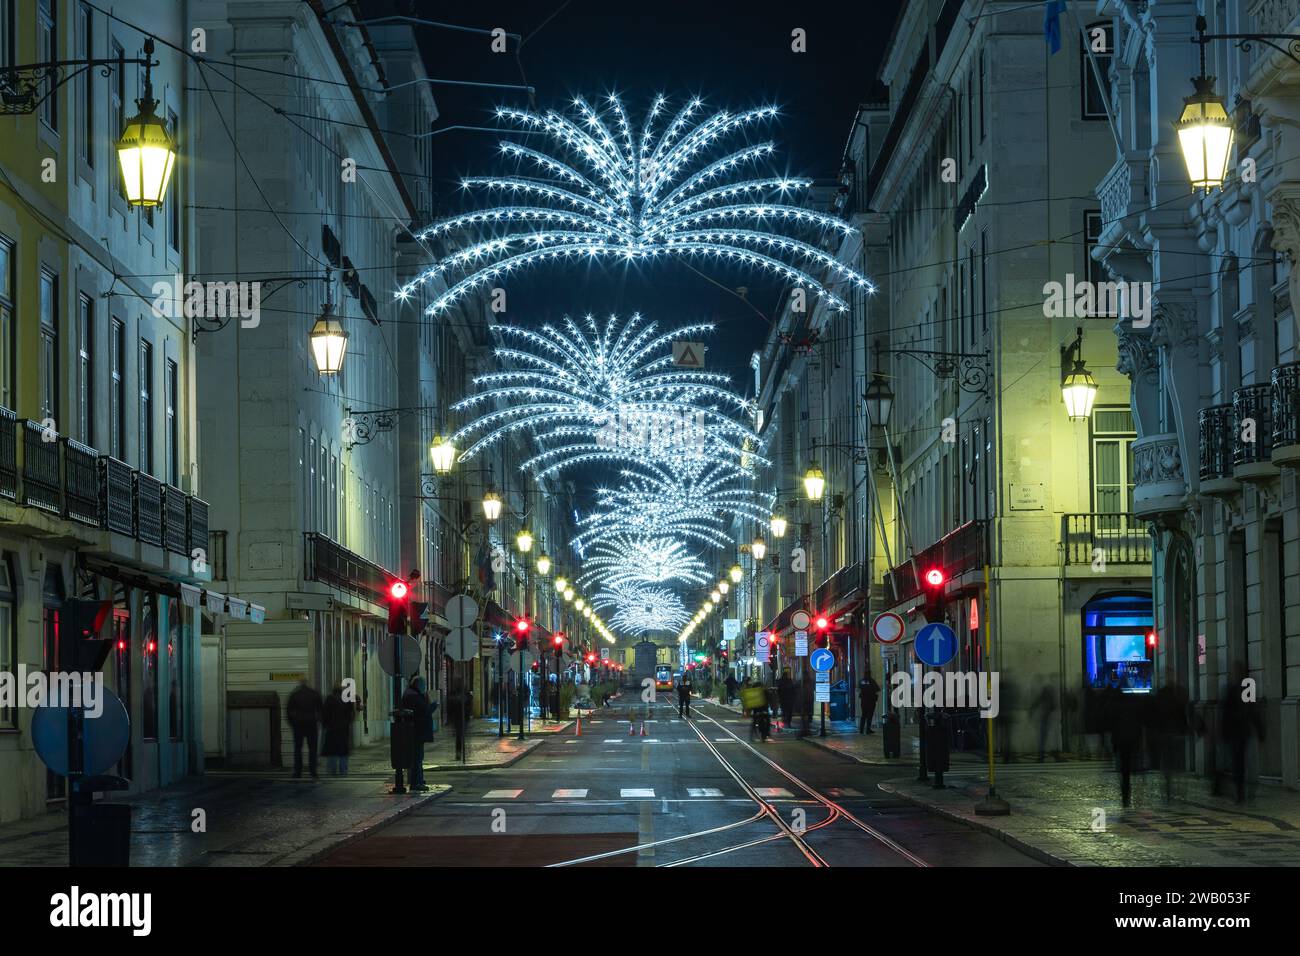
{"points": [[397, 590]]}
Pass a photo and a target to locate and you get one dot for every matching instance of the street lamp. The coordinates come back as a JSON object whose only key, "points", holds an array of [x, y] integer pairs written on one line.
{"points": [[736, 573], [1204, 128], [568, 595], [724, 587], [759, 548], [1078, 387], [442, 453], [814, 482], [524, 540], [778, 524], [543, 564], [880, 400], [715, 597], [491, 505], [561, 585], [146, 152], [328, 341]]}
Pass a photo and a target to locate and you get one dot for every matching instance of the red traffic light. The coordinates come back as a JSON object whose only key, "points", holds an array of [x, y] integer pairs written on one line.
{"points": [[522, 625], [591, 658], [1153, 639], [558, 640], [935, 577], [397, 590], [823, 622]]}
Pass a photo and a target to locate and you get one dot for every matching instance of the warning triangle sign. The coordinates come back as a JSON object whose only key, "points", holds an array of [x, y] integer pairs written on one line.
{"points": [[688, 354]]}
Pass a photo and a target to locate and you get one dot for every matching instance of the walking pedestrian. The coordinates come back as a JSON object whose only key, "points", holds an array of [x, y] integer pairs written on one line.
{"points": [[1241, 722], [868, 694], [731, 687], [459, 708], [337, 716], [1126, 734], [1043, 707], [785, 697], [304, 713], [684, 697], [416, 700]]}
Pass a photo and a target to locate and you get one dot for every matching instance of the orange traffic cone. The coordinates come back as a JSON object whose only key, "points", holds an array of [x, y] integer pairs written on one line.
{"points": [[643, 728], [631, 724], [578, 732]]}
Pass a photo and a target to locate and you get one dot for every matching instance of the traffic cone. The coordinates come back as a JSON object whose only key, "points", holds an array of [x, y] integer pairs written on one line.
{"points": [[578, 732], [643, 728], [631, 725]]}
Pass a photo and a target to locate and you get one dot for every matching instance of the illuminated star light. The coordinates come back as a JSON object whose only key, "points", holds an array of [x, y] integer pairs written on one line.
{"points": [[639, 609], [607, 193]]}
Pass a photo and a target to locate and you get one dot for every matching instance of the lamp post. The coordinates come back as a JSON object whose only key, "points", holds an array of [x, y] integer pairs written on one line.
{"points": [[1078, 387]]}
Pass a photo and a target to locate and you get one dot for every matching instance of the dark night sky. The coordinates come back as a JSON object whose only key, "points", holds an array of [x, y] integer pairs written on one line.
{"points": [[734, 55]]}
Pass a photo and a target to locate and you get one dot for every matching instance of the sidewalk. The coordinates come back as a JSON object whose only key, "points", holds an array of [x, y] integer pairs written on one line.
{"points": [[250, 820], [1070, 813]]}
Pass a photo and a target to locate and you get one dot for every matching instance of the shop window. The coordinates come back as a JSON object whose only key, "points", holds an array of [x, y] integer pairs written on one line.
{"points": [[1116, 654], [149, 650]]}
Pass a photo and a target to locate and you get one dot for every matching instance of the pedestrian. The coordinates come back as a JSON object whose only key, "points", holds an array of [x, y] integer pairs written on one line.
{"points": [[1043, 707], [785, 696], [1170, 725], [805, 691], [337, 716], [731, 687], [1241, 722], [460, 703], [1070, 719], [416, 700], [304, 713], [868, 694], [1126, 734], [684, 697]]}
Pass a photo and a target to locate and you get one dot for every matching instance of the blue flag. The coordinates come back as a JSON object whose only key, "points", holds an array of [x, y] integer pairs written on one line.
{"points": [[1052, 11]]}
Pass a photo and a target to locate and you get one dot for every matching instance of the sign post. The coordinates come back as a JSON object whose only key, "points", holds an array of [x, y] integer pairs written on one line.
{"points": [[821, 661]]}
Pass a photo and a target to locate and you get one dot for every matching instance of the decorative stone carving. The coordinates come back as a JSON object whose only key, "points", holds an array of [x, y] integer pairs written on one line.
{"points": [[1160, 487], [1174, 325], [1286, 227], [1137, 355]]}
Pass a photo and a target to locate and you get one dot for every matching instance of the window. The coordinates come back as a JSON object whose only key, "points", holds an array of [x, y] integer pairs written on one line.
{"points": [[149, 646], [8, 637], [86, 89], [172, 397], [174, 207], [174, 673], [982, 81], [972, 277], [8, 285], [970, 115], [50, 346], [146, 407], [1091, 234], [47, 50], [1100, 38], [8, 33], [311, 486], [117, 109], [117, 395], [1112, 465], [984, 277], [85, 369]]}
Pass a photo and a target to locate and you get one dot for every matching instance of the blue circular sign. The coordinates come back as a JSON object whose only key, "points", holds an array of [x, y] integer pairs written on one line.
{"points": [[821, 659], [935, 645], [105, 737]]}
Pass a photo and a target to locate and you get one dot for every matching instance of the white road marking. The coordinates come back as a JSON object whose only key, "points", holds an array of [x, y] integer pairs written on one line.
{"points": [[703, 791], [613, 740], [773, 792], [562, 794], [502, 794], [630, 792]]}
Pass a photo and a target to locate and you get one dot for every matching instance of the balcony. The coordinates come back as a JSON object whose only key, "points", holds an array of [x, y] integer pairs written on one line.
{"points": [[1123, 191], [1160, 486], [80, 483], [1094, 537], [328, 562], [40, 467], [1252, 434], [1215, 443], [175, 534], [957, 552], [1285, 397], [8, 455], [148, 509], [844, 584], [197, 525], [116, 498]]}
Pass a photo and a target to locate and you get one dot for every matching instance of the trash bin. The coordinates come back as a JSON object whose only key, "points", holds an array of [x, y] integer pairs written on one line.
{"points": [[840, 700], [401, 743], [936, 742], [893, 736], [103, 835]]}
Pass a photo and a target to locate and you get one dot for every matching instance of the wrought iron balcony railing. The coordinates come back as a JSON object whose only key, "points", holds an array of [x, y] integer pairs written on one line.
{"points": [[1096, 538], [116, 498], [40, 467], [8, 455], [1285, 400], [1252, 433], [80, 482], [148, 509], [327, 561], [174, 519]]}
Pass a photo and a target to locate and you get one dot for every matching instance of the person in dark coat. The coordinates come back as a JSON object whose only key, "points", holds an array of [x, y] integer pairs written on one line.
{"points": [[868, 694], [417, 702], [731, 687], [336, 717], [460, 708], [684, 697], [1241, 722], [304, 713], [1125, 721], [785, 696], [805, 694]]}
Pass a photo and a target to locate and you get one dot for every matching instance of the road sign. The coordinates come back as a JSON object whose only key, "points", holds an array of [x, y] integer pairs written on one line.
{"points": [[888, 627], [822, 694], [730, 628], [688, 354], [410, 654], [604, 653], [762, 646], [462, 612], [800, 620], [104, 738], [936, 644], [821, 659], [800, 643], [823, 677], [462, 643]]}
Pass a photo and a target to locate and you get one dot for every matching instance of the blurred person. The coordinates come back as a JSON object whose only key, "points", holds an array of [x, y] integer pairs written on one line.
{"points": [[1170, 724], [1042, 708], [1241, 722], [868, 694], [785, 695], [416, 700], [337, 716], [304, 713]]}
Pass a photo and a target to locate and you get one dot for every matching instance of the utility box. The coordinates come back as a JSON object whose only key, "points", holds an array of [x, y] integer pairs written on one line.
{"points": [[936, 742]]}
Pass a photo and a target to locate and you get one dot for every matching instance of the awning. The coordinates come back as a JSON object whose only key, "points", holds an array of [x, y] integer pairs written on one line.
{"points": [[237, 608], [191, 596], [216, 602]]}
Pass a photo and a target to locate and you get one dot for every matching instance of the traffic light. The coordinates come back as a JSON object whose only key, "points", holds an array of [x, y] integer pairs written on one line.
{"points": [[558, 641], [399, 607], [932, 581], [536, 667], [591, 658], [1153, 640], [521, 628], [80, 648]]}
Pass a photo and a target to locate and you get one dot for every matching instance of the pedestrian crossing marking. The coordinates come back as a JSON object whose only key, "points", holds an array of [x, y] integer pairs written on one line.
{"points": [[724, 740], [650, 740], [703, 791], [502, 794], [562, 794], [773, 792], [613, 740], [574, 741], [629, 792]]}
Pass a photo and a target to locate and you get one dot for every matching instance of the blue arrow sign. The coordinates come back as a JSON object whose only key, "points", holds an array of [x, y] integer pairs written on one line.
{"points": [[936, 645], [821, 659]]}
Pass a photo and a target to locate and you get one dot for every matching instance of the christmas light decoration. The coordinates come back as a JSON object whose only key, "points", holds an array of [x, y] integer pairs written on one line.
{"points": [[639, 609], [626, 560], [588, 394], [610, 194]]}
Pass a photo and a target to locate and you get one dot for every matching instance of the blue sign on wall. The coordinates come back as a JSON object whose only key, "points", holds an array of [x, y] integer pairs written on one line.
{"points": [[935, 645]]}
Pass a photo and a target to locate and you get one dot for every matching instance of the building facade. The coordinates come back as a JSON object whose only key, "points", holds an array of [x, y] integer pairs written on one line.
{"points": [[99, 455], [1213, 374]]}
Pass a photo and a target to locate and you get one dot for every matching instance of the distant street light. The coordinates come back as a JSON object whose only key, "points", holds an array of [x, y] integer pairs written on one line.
{"points": [[443, 453], [759, 548], [491, 505], [814, 482]]}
